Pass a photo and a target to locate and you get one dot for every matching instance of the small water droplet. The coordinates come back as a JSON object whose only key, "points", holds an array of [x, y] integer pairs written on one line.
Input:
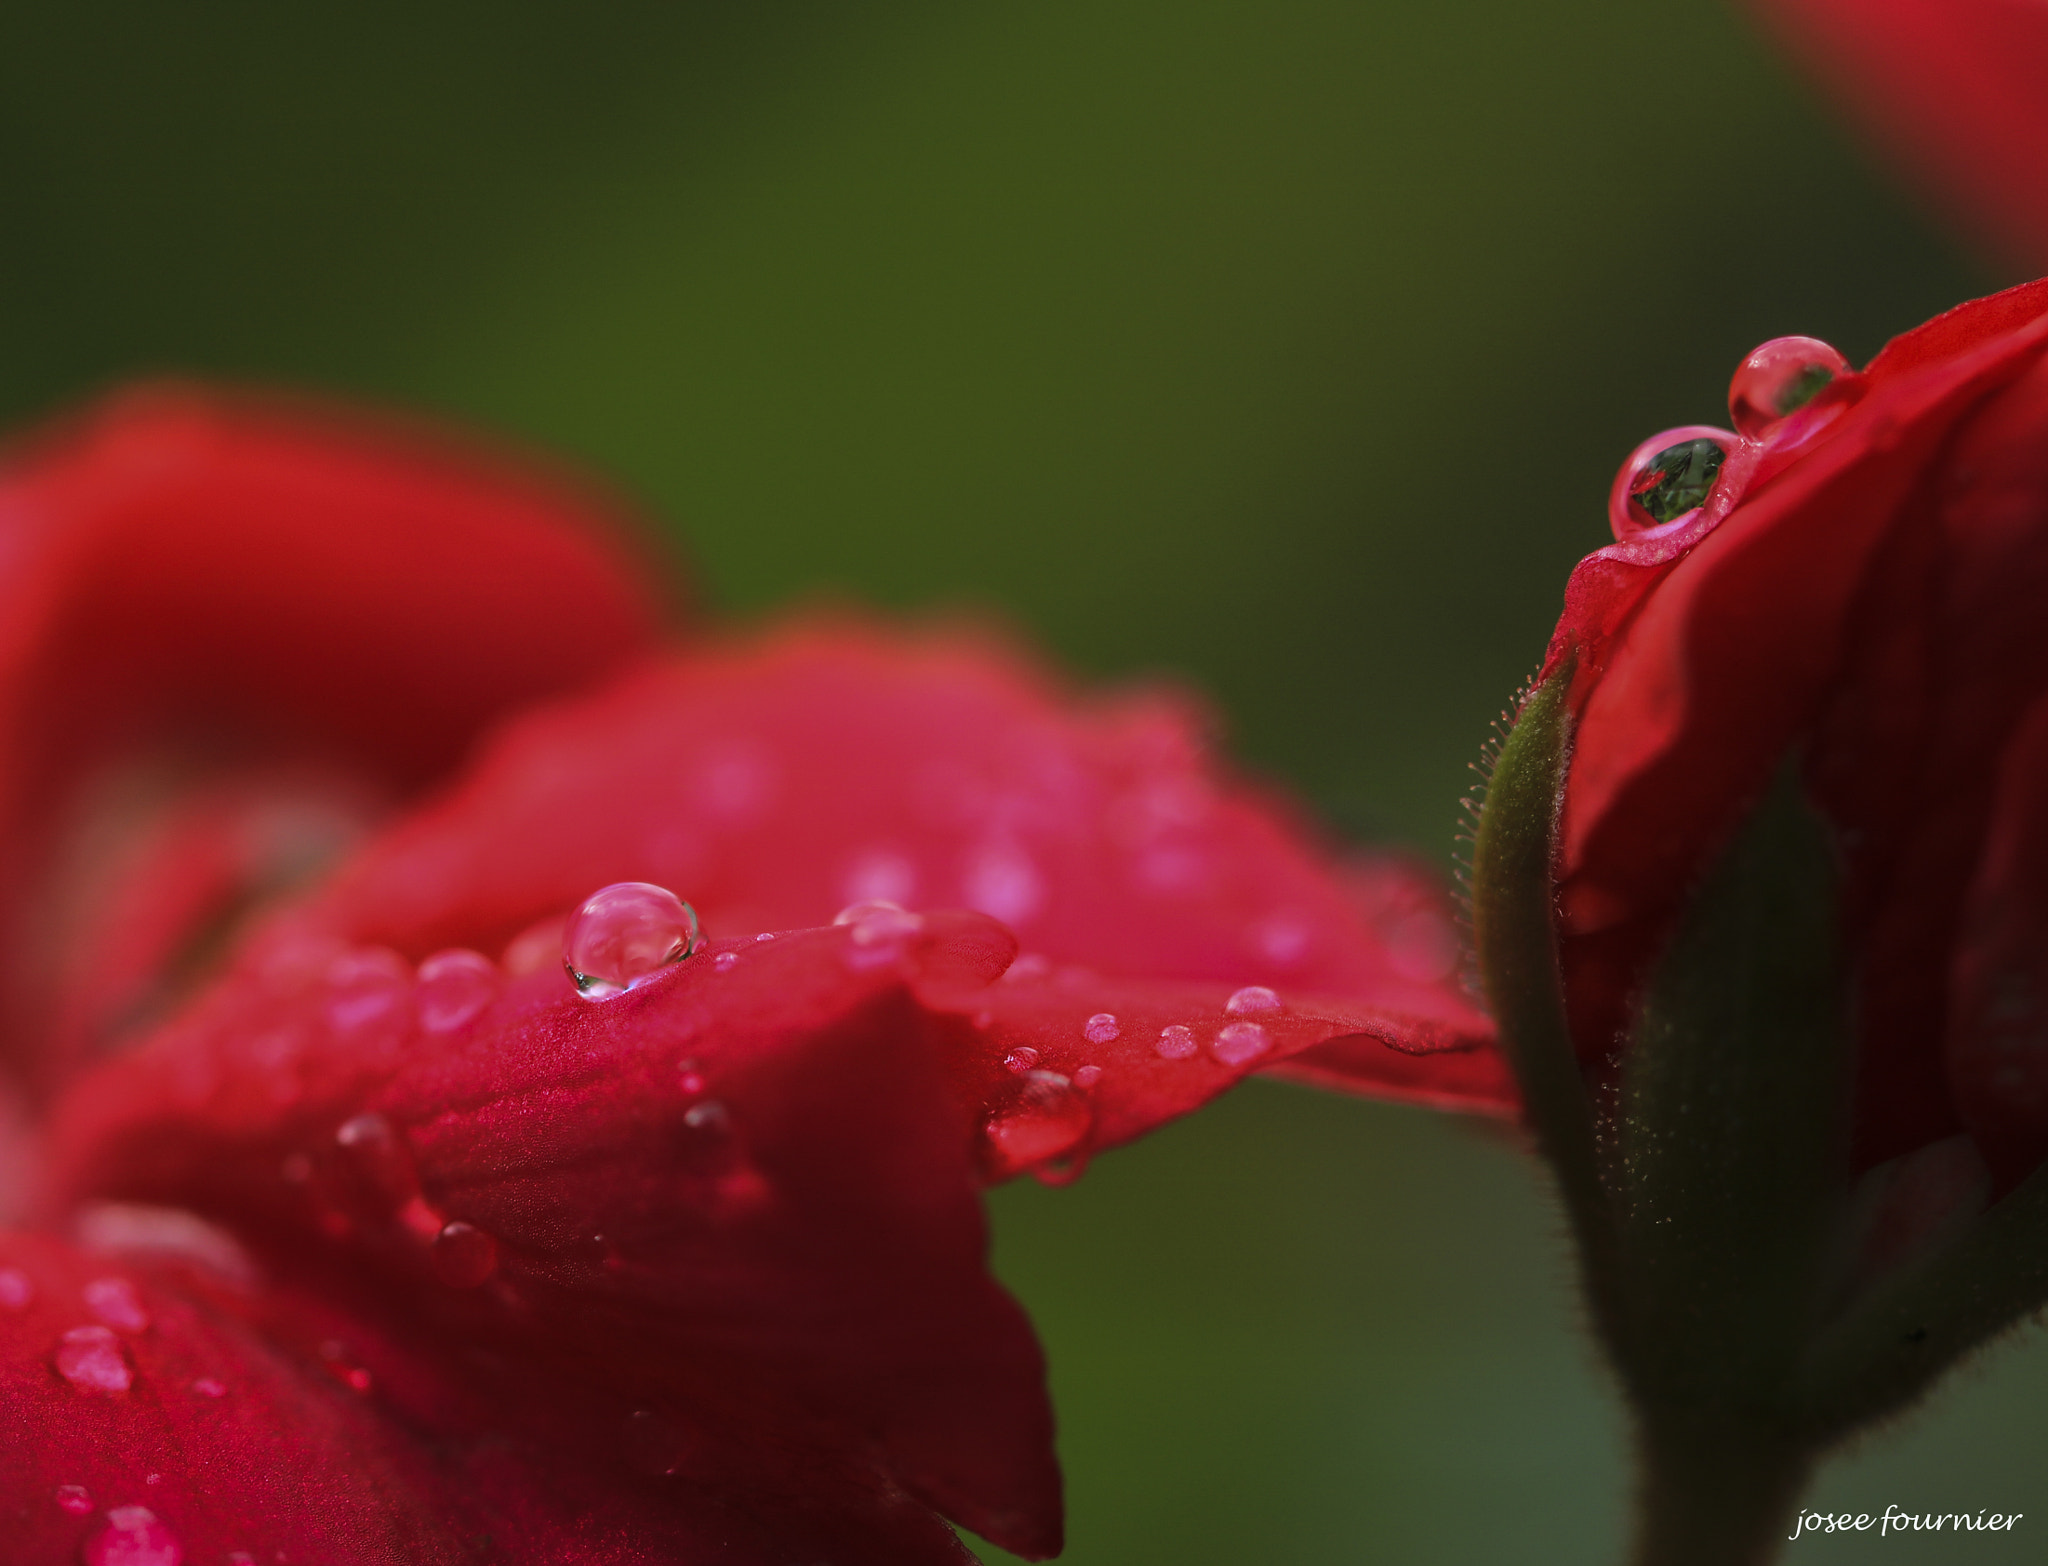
{"points": [[1087, 1076], [73, 1498], [366, 989], [378, 1158], [1779, 379], [1239, 1043], [1175, 1043], [725, 962], [1101, 1028], [1251, 1001], [16, 1291], [115, 1302], [463, 1255], [132, 1536], [210, 1386], [455, 987], [1047, 1119], [92, 1359], [1021, 1059], [624, 935], [152, 1478], [765, 935], [876, 920], [1666, 478]]}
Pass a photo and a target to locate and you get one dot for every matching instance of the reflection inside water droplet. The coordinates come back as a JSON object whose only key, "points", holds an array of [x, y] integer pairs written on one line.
{"points": [[624, 935]]}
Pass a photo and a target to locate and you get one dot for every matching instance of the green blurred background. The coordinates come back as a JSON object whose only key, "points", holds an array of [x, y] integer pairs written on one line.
{"points": [[1286, 348]]}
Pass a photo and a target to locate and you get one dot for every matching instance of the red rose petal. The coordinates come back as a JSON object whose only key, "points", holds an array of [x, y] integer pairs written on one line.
{"points": [[771, 783], [275, 1424], [739, 1194], [197, 584]]}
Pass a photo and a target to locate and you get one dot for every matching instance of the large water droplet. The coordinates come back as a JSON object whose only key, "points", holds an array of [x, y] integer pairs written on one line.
{"points": [[1175, 1043], [377, 1160], [1048, 1117], [115, 1302], [455, 986], [624, 935], [1252, 1000], [1780, 378], [1101, 1028], [73, 1498], [16, 1291], [132, 1536], [92, 1359], [1667, 477], [1239, 1043], [463, 1255]]}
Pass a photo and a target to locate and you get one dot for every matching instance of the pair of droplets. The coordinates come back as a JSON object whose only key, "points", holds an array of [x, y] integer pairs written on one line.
{"points": [[1782, 395]]}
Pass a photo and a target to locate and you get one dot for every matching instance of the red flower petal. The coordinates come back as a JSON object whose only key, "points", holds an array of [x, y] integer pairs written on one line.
{"points": [[211, 1419], [740, 1196], [772, 783], [209, 583], [1953, 88]]}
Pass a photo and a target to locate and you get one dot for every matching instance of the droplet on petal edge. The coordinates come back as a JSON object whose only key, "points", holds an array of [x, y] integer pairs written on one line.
{"points": [[1668, 477], [114, 1302], [624, 935], [1239, 1043], [1779, 379], [92, 1359], [1252, 1000], [16, 1291], [1047, 1118], [463, 1255], [72, 1498], [455, 986], [132, 1536], [1101, 1028], [1175, 1043]]}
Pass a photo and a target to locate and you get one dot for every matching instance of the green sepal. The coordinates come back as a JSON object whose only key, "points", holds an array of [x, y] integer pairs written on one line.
{"points": [[1514, 932], [1728, 1155]]}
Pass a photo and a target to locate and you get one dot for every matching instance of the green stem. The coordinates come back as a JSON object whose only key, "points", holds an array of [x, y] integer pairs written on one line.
{"points": [[1722, 1495]]}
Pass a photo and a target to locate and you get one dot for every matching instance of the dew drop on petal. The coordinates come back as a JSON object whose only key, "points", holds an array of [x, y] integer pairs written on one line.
{"points": [[365, 989], [115, 1302], [210, 1386], [455, 986], [1101, 1028], [1046, 1119], [875, 921], [1175, 1043], [1668, 477], [725, 962], [16, 1291], [1087, 1076], [463, 1255], [1020, 1060], [132, 1536], [1778, 379], [1239, 1043], [72, 1498], [92, 1359], [624, 935], [378, 1157], [1252, 1000]]}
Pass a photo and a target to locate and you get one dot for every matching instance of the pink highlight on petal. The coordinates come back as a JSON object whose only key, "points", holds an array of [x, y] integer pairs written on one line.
{"points": [[72, 1498], [115, 1302], [16, 1291]]}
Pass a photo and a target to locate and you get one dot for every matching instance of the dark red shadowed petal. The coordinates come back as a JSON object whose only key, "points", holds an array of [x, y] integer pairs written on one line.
{"points": [[199, 586], [773, 782], [160, 1404], [1664, 763], [740, 1197], [1953, 90], [1997, 1045]]}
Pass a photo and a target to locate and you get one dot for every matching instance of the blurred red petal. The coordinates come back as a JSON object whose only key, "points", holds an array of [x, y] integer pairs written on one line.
{"points": [[195, 584], [741, 1196], [1953, 90]]}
